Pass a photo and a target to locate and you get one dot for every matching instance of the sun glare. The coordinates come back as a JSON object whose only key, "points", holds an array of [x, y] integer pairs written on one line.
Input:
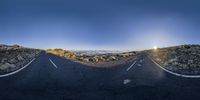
{"points": [[155, 47]]}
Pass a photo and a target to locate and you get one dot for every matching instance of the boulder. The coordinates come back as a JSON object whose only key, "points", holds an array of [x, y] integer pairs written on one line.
{"points": [[112, 58]]}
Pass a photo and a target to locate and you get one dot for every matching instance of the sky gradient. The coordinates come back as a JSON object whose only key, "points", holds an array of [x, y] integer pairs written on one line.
{"points": [[99, 24]]}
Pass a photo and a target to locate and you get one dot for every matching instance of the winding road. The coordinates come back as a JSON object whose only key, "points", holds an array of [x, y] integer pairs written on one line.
{"points": [[50, 77]]}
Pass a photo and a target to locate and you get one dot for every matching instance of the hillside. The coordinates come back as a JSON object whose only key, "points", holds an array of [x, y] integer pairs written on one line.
{"points": [[184, 59], [14, 57]]}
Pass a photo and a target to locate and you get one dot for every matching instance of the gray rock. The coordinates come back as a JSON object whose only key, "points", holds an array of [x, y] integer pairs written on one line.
{"points": [[20, 58], [3, 60], [6, 66], [13, 60]]}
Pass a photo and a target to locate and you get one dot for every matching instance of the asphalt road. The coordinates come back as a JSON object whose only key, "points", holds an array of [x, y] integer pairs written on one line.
{"points": [[52, 77]]}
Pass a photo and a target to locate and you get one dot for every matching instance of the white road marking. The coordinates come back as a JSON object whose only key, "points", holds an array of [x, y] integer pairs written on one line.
{"points": [[131, 66], [139, 65], [5, 75], [141, 60], [173, 73], [126, 81], [53, 63]]}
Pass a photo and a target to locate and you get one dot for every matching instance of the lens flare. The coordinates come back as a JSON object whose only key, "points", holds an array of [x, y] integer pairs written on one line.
{"points": [[155, 47]]}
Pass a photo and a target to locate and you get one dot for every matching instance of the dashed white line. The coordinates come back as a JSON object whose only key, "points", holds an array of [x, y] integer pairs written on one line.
{"points": [[141, 60], [17, 70], [126, 81], [131, 66], [139, 65], [53, 63]]}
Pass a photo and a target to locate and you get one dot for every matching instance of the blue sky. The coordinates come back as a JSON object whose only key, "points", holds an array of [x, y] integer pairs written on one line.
{"points": [[99, 24]]}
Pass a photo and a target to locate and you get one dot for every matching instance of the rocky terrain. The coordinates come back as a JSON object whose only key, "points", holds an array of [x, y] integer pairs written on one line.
{"points": [[184, 59], [98, 60], [14, 57], [96, 51]]}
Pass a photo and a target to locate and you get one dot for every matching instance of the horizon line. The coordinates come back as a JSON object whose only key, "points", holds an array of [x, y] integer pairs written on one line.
{"points": [[134, 49]]}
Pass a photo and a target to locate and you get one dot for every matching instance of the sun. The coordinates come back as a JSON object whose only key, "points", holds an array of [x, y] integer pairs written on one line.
{"points": [[155, 47]]}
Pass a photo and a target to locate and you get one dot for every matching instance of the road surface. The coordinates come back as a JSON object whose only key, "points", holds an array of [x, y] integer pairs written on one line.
{"points": [[50, 77]]}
